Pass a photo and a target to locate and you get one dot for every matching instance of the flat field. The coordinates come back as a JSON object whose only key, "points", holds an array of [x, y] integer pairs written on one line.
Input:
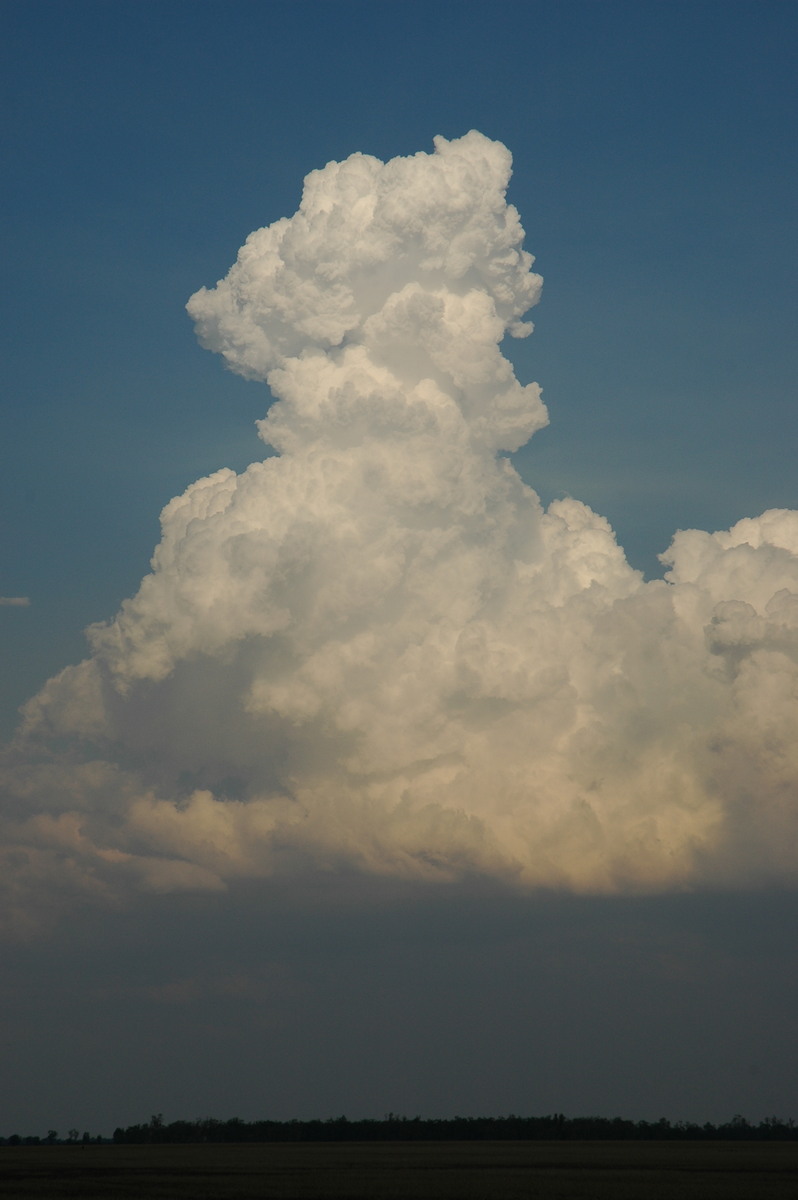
{"points": [[405, 1171]]}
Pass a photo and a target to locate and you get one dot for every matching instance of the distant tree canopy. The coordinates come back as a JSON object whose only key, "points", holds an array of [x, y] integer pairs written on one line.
{"points": [[556, 1127], [395, 1128], [52, 1139]]}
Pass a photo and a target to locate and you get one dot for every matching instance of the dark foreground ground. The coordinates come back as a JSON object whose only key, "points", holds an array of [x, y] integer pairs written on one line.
{"points": [[406, 1171]]}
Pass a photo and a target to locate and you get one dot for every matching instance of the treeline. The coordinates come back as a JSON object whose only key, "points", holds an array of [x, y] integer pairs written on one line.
{"points": [[395, 1128], [73, 1138]]}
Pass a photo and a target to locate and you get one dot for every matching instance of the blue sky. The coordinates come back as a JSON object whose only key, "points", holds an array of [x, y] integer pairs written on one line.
{"points": [[655, 175]]}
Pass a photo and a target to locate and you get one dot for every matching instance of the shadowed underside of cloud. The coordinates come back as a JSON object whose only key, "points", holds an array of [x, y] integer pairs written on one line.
{"points": [[375, 649]]}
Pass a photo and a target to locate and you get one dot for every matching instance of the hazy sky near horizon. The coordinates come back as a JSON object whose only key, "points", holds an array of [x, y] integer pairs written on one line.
{"points": [[430, 940]]}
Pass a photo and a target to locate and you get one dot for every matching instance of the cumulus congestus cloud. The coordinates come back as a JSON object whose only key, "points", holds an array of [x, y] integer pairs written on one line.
{"points": [[375, 649]]}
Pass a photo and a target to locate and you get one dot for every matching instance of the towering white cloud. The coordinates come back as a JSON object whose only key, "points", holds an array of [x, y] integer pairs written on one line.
{"points": [[375, 648]]}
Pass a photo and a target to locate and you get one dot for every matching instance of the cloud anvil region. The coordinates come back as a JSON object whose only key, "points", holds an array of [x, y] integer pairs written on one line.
{"points": [[375, 650]]}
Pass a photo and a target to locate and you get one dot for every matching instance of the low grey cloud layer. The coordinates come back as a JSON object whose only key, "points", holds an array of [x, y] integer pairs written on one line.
{"points": [[375, 649]]}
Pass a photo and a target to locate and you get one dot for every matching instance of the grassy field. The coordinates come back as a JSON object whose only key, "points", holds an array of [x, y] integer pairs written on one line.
{"points": [[406, 1171]]}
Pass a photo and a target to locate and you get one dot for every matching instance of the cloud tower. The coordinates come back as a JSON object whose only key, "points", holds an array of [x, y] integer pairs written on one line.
{"points": [[375, 649]]}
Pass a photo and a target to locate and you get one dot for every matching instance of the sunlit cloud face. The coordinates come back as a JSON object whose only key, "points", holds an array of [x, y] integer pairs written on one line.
{"points": [[375, 649]]}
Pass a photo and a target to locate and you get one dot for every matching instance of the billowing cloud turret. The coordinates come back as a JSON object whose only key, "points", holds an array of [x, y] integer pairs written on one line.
{"points": [[375, 649]]}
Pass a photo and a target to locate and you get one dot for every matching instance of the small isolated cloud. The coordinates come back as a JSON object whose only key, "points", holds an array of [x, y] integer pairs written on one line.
{"points": [[14, 601], [375, 650]]}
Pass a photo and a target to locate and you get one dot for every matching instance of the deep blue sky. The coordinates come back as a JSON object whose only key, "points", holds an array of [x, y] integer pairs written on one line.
{"points": [[655, 174]]}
